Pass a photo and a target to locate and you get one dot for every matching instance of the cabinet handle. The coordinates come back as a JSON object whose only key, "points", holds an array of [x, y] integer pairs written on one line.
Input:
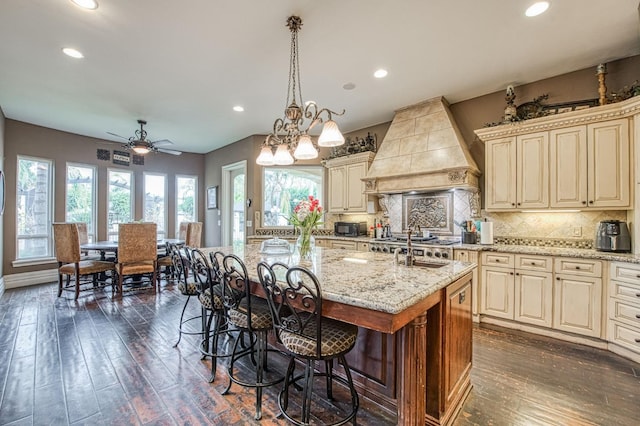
{"points": [[533, 263], [497, 260], [518, 203], [510, 273], [584, 203], [638, 276], [590, 201], [577, 267], [638, 316], [637, 294], [637, 340], [513, 204], [558, 278], [518, 273], [461, 297]]}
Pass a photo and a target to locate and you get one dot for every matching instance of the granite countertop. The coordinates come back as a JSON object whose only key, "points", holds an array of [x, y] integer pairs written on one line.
{"points": [[364, 279], [361, 239], [551, 251]]}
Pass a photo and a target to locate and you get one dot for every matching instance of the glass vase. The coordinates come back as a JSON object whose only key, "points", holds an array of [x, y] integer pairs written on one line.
{"points": [[305, 244]]}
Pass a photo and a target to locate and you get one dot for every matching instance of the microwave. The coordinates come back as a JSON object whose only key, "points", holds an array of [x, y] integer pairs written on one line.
{"points": [[349, 229]]}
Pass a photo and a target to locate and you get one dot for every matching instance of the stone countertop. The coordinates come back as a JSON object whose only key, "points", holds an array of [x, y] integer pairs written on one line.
{"points": [[360, 239], [364, 279], [552, 251]]}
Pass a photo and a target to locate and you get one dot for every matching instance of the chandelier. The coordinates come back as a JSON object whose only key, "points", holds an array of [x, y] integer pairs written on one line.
{"points": [[289, 133]]}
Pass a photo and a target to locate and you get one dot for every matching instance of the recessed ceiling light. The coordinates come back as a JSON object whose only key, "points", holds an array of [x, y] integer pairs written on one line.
{"points": [[349, 86], [86, 4], [381, 73], [72, 52], [537, 8], [238, 108]]}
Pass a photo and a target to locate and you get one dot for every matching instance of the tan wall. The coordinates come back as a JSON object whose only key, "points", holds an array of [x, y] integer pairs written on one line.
{"points": [[62, 147], [2, 162]]}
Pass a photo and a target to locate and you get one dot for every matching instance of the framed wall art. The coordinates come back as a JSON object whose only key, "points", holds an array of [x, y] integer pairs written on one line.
{"points": [[212, 197]]}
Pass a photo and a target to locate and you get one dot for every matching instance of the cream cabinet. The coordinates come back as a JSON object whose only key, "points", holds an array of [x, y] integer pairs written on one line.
{"points": [[590, 166], [517, 172], [574, 160], [518, 287], [623, 322], [471, 256], [578, 296], [345, 245], [346, 187]]}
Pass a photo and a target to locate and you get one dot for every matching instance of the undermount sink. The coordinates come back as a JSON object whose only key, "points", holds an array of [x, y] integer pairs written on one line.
{"points": [[423, 264]]}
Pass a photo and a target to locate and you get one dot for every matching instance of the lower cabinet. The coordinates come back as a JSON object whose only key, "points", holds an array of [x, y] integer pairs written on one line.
{"points": [[623, 322], [560, 293], [471, 256]]}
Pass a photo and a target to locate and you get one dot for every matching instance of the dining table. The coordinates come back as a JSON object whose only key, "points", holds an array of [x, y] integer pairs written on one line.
{"points": [[105, 247]]}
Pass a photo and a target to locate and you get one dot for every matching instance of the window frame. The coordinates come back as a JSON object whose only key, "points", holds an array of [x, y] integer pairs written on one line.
{"points": [[320, 168], [132, 199], [50, 207], [162, 232], [92, 229], [195, 200]]}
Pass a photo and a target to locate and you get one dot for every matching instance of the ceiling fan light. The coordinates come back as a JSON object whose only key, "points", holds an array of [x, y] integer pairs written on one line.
{"points": [[305, 149], [330, 135], [282, 157], [266, 157], [141, 149]]}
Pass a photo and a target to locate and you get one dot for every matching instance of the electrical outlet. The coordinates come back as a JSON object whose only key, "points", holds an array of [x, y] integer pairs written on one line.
{"points": [[249, 224], [577, 231]]}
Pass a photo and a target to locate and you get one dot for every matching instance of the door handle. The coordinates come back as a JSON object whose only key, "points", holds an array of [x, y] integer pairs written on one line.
{"points": [[461, 297]]}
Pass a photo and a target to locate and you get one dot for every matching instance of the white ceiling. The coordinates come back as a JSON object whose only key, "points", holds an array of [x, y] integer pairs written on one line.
{"points": [[183, 65]]}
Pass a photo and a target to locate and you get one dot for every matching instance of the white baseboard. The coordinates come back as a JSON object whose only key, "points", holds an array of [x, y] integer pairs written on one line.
{"points": [[30, 278]]}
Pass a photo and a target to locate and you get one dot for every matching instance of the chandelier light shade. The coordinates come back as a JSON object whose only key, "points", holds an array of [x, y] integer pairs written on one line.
{"points": [[141, 149], [290, 133]]}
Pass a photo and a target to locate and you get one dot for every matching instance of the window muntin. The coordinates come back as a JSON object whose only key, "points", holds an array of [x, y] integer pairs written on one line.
{"points": [[186, 200], [34, 208], [154, 204], [80, 205], [284, 187], [119, 200]]}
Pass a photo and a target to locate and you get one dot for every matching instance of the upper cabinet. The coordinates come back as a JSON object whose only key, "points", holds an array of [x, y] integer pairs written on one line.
{"points": [[346, 187], [575, 160]]}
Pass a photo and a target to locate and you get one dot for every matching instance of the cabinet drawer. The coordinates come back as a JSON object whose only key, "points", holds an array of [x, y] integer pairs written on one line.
{"points": [[625, 291], [624, 312], [624, 335], [498, 259], [591, 268], [627, 272], [534, 263], [345, 245]]}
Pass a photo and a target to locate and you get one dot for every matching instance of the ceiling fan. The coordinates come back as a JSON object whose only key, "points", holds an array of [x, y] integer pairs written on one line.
{"points": [[141, 145]]}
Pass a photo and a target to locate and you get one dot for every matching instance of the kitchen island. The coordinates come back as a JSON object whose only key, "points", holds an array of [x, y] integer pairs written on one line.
{"points": [[413, 354]]}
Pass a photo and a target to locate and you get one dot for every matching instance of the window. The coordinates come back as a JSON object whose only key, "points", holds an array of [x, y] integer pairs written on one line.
{"points": [[284, 187], [154, 203], [186, 200], [34, 208], [120, 201], [81, 196]]}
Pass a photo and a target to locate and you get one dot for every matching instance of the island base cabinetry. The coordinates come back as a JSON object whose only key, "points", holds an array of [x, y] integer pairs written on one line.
{"points": [[422, 371], [623, 322]]}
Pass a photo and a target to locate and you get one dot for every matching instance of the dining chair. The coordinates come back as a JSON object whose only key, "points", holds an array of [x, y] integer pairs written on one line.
{"points": [[137, 254], [166, 267], [182, 231], [193, 236], [83, 235], [70, 261], [295, 303], [250, 315]]}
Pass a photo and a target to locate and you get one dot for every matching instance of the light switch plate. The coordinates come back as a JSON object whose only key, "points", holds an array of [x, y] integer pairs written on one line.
{"points": [[249, 224]]}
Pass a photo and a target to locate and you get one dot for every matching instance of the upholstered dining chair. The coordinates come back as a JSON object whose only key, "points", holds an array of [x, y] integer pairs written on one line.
{"points": [[70, 262], [166, 268], [83, 234], [137, 253], [193, 236], [295, 302]]}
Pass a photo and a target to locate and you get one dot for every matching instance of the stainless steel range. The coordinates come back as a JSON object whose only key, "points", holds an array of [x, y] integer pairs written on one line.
{"points": [[422, 247]]}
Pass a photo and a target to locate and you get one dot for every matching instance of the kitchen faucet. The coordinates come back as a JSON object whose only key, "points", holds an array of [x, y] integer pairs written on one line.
{"points": [[408, 259]]}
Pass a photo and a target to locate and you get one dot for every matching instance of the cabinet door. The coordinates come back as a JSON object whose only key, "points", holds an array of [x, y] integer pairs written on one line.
{"points": [[356, 200], [532, 183], [497, 292], [534, 298], [577, 304], [337, 178], [608, 164], [568, 167], [500, 156]]}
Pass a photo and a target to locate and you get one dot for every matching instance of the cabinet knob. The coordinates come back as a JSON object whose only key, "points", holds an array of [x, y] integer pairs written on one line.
{"points": [[517, 273], [637, 294], [518, 203], [513, 204], [638, 276], [558, 278], [584, 203], [590, 201], [497, 260], [577, 267], [638, 316], [510, 273], [637, 340], [533, 263]]}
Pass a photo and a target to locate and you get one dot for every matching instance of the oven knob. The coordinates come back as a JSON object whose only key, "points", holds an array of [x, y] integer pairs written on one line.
{"points": [[385, 249], [429, 254], [445, 255], [378, 249], [437, 254]]}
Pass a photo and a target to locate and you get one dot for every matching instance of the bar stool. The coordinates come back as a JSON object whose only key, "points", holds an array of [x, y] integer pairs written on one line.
{"points": [[187, 286], [296, 310], [251, 315], [209, 276]]}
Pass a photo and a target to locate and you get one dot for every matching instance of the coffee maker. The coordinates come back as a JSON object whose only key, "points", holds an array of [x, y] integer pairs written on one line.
{"points": [[613, 236]]}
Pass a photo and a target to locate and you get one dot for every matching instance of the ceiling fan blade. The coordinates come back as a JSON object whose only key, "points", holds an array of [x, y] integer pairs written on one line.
{"points": [[117, 135], [162, 142], [169, 151]]}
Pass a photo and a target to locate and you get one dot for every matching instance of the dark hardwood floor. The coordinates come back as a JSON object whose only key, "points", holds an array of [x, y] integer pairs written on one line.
{"points": [[104, 361]]}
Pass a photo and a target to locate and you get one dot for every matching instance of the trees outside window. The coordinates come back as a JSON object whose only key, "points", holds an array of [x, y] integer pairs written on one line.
{"points": [[154, 204], [284, 187], [80, 203], [186, 200], [34, 208], [120, 201]]}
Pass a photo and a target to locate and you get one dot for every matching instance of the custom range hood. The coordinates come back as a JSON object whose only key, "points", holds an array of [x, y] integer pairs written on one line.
{"points": [[423, 151]]}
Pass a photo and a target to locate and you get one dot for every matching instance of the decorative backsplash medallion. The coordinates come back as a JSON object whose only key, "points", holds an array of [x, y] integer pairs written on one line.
{"points": [[430, 211]]}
